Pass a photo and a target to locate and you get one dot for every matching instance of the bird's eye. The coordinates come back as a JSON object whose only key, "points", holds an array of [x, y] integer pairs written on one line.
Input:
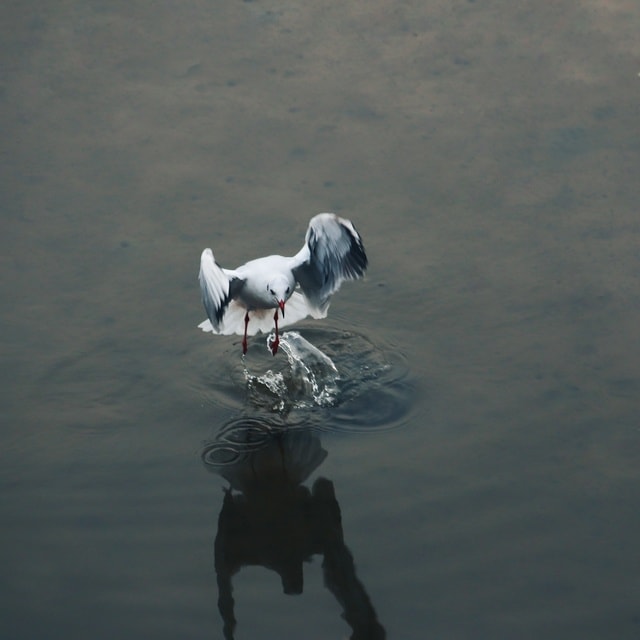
{"points": [[273, 293], [287, 291]]}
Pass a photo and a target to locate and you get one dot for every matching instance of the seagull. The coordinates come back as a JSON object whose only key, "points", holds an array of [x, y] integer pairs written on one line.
{"points": [[332, 253]]}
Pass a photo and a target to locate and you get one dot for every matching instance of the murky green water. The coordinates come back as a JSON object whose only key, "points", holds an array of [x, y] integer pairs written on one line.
{"points": [[479, 478]]}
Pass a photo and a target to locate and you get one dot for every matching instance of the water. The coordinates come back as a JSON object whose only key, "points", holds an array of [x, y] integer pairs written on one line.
{"points": [[470, 467], [362, 385], [309, 378], [274, 521]]}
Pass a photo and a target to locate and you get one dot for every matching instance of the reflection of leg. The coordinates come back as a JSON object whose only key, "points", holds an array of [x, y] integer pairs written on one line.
{"points": [[339, 569]]}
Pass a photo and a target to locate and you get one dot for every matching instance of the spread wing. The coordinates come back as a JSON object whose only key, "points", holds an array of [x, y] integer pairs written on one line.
{"points": [[218, 287], [333, 252]]}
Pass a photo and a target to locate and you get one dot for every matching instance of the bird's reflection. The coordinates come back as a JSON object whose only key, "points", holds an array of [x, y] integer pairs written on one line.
{"points": [[269, 518]]}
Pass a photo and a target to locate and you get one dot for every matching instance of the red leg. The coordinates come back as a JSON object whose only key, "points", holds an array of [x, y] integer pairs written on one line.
{"points": [[244, 339], [276, 342]]}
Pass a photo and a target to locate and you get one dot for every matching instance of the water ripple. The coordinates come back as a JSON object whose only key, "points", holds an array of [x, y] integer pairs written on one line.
{"points": [[329, 380]]}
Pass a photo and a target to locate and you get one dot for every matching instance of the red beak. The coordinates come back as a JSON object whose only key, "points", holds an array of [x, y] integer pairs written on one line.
{"points": [[281, 305]]}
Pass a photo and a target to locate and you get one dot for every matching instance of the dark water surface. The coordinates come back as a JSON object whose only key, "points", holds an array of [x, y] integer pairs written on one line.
{"points": [[478, 476]]}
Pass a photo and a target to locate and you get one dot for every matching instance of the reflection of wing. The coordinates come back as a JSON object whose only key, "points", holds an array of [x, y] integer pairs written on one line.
{"points": [[340, 575], [278, 523]]}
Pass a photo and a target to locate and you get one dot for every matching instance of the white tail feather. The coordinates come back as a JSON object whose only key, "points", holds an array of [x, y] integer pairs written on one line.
{"points": [[261, 320]]}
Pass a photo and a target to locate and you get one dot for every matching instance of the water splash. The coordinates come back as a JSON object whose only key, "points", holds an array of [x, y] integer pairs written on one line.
{"points": [[332, 380], [309, 377]]}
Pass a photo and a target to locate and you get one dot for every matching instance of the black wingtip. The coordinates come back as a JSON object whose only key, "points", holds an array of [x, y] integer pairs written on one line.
{"points": [[357, 261]]}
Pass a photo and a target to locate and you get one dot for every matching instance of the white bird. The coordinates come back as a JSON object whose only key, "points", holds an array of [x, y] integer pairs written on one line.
{"points": [[332, 253]]}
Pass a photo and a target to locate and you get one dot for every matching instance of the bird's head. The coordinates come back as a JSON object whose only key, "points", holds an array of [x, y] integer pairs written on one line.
{"points": [[280, 290]]}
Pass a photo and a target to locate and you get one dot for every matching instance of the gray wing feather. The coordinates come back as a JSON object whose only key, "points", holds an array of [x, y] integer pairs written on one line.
{"points": [[333, 252], [217, 288]]}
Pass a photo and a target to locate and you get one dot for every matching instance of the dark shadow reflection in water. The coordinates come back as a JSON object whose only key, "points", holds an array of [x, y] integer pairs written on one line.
{"points": [[270, 518]]}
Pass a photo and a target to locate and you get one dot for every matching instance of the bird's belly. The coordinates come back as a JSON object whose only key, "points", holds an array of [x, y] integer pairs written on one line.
{"points": [[253, 302]]}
